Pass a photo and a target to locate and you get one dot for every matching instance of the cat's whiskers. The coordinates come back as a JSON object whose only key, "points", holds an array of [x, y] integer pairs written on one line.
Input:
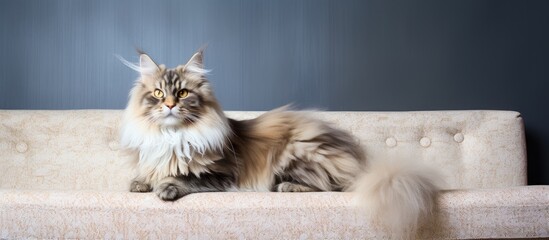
{"points": [[190, 117]]}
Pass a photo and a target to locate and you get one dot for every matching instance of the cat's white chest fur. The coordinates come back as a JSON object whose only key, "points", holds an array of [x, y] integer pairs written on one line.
{"points": [[172, 152]]}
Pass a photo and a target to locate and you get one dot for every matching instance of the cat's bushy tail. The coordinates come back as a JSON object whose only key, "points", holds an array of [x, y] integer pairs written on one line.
{"points": [[399, 195]]}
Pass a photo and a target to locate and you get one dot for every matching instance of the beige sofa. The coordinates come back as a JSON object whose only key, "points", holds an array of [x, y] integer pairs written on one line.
{"points": [[62, 175]]}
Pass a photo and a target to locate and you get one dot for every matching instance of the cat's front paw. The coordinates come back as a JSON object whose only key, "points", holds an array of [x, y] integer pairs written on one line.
{"points": [[292, 187], [137, 186], [168, 192]]}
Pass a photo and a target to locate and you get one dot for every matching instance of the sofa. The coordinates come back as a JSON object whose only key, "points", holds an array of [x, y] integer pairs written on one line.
{"points": [[64, 175]]}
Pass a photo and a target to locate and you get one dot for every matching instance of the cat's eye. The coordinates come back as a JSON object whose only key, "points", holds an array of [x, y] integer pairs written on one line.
{"points": [[183, 93], [158, 93]]}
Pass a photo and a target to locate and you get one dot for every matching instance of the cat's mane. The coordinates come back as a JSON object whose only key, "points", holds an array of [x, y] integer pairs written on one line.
{"points": [[173, 151]]}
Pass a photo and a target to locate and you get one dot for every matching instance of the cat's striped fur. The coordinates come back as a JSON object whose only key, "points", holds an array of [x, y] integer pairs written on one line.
{"points": [[186, 145]]}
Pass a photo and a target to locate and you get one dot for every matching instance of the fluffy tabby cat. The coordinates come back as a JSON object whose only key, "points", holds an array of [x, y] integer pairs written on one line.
{"points": [[187, 145]]}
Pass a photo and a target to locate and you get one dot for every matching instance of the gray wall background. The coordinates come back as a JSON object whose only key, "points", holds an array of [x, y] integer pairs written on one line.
{"points": [[333, 55]]}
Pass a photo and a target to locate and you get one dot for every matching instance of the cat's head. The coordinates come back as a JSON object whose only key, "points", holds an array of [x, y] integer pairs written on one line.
{"points": [[176, 97]]}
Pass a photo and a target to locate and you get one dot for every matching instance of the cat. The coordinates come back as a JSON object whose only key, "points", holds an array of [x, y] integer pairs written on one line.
{"points": [[187, 145]]}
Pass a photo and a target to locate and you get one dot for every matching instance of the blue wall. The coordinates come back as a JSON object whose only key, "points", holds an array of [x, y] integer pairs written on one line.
{"points": [[335, 55]]}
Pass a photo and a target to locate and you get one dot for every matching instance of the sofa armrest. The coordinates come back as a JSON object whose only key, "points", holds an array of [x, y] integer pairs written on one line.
{"points": [[489, 213]]}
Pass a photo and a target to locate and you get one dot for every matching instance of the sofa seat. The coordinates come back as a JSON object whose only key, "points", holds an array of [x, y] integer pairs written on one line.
{"points": [[516, 212]]}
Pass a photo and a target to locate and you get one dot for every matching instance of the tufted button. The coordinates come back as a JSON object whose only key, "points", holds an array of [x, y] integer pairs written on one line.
{"points": [[113, 145], [459, 137], [391, 142], [21, 147], [425, 142]]}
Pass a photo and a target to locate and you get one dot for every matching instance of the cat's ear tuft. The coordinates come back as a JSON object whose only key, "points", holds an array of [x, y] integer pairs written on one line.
{"points": [[146, 65]]}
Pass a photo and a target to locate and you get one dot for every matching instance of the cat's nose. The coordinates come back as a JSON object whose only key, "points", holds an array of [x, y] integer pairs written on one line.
{"points": [[169, 102]]}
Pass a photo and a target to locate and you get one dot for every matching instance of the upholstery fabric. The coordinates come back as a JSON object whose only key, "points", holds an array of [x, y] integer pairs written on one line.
{"points": [[63, 175], [484, 213]]}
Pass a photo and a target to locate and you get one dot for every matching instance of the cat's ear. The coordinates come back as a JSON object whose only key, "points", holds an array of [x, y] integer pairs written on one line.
{"points": [[195, 65], [146, 65]]}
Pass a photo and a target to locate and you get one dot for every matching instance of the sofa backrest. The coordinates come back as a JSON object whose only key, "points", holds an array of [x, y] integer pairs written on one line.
{"points": [[79, 149]]}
